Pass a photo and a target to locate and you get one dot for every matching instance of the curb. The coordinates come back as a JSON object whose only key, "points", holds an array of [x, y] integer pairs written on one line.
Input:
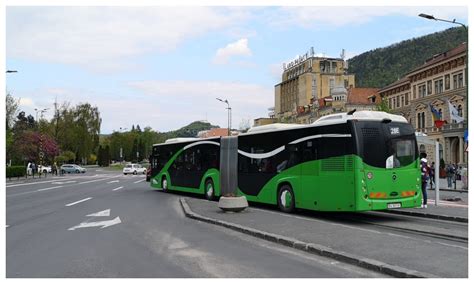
{"points": [[431, 216], [367, 263]]}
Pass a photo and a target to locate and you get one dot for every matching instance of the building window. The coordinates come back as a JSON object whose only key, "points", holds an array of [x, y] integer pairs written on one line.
{"points": [[440, 114], [331, 83], [414, 92], [422, 91], [346, 83], [403, 100], [455, 81], [406, 99], [390, 103], [438, 86], [447, 81], [334, 67], [460, 110], [422, 120], [430, 85], [460, 82], [398, 101]]}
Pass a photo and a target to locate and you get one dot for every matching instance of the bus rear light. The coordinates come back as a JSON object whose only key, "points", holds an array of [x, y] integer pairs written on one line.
{"points": [[408, 193], [370, 175], [378, 195]]}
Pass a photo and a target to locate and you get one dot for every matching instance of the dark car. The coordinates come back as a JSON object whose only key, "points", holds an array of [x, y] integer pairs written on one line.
{"points": [[148, 173]]}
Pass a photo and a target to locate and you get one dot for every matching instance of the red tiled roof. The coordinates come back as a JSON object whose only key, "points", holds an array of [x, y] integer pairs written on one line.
{"points": [[215, 132], [362, 95]]}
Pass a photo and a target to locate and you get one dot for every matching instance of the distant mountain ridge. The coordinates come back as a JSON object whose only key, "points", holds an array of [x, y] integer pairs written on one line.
{"points": [[382, 66]]}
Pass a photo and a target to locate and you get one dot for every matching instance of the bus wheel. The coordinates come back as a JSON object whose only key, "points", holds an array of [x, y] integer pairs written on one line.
{"points": [[209, 192], [286, 199], [164, 184]]}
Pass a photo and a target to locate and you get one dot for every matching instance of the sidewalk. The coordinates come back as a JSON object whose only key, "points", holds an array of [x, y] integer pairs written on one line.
{"points": [[442, 212], [443, 185], [321, 237]]}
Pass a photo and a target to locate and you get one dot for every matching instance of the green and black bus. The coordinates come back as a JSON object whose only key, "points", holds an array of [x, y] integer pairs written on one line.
{"points": [[355, 161]]}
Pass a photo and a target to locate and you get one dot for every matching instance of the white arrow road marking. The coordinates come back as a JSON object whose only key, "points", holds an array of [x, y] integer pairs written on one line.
{"points": [[112, 181], [100, 214], [103, 224], [117, 188], [63, 182], [138, 181], [74, 203]]}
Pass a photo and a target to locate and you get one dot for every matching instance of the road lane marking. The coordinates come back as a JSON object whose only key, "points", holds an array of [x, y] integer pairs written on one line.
{"points": [[105, 213], [113, 181], [138, 181], [89, 181], [63, 182], [104, 224], [74, 203], [44, 189], [117, 188], [23, 184]]}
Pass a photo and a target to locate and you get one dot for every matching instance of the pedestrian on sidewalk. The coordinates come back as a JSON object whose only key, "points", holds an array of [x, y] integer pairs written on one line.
{"points": [[432, 174], [450, 174], [464, 177], [425, 177], [28, 169]]}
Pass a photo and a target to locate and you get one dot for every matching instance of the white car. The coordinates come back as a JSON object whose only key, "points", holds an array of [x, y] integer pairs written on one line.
{"points": [[134, 169], [44, 169]]}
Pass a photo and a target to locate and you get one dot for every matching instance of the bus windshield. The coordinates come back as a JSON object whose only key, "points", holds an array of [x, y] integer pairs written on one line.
{"points": [[386, 145]]}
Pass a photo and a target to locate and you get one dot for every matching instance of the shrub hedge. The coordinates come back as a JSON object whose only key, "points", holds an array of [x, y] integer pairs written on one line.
{"points": [[16, 171]]}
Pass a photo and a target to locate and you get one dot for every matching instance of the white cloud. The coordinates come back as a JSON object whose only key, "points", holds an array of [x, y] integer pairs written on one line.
{"points": [[180, 102], [238, 48], [26, 102], [100, 38], [338, 16]]}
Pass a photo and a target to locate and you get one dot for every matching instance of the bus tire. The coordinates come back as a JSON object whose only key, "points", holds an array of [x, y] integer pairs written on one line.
{"points": [[209, 190], [286, 198], [164, 184]]}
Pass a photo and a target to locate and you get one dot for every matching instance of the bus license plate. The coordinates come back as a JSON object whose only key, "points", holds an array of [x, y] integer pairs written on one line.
{"points": [[394, 205]]}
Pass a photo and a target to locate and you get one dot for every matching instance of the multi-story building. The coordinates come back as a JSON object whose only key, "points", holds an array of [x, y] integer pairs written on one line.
{"points": [[438, 82], [304, 81]]}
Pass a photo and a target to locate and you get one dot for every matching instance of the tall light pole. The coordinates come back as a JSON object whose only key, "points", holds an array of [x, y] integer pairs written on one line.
{"points": [[229, 115], [121, 150]]}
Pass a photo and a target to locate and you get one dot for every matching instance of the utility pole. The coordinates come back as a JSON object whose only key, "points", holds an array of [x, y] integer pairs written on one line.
{"points": [[229, 115]]}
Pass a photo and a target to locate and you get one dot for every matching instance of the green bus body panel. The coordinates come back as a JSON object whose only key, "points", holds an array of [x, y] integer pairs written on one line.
{"points": [[333, 184]]}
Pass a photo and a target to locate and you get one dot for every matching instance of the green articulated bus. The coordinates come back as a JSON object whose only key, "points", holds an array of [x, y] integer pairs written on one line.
{"points": [[356, 161]]}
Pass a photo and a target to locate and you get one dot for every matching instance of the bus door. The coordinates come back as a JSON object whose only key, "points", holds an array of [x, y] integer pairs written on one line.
{"points": [[310, 183]]}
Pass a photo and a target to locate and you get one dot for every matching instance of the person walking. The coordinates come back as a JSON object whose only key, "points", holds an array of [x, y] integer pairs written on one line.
{"points": [[33, 169], [432, 174], [28, 169], [425, 177], [449, 174]]}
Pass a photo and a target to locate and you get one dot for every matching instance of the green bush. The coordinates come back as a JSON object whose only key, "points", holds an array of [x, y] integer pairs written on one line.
{"points": [[16, 171]]}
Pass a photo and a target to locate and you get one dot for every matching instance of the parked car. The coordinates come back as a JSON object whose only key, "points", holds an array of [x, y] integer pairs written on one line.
{"points": [[148, 173], [44, 169], [72, 168], [134, 169]]}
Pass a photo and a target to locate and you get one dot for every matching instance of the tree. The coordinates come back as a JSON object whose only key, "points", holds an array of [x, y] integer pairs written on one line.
{"points": [[383, 106]]}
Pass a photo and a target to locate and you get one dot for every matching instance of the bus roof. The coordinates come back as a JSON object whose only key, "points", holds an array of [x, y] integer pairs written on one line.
{"points": [[338, 118], [273, 127], [178, 140]]}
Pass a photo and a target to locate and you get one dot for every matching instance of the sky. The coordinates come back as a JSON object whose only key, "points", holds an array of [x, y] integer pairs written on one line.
{"points": [[164, 66]]}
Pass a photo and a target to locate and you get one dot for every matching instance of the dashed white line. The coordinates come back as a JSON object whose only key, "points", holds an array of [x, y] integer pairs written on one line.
{"points": [[117, 188], [48, 188], [138, 181], [74, 203], [112, 181], [89, 181]]}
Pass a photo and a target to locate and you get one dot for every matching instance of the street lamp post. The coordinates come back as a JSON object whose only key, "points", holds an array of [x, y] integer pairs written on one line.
{"points": [[121, 150], [229, 115], [431, 17]]}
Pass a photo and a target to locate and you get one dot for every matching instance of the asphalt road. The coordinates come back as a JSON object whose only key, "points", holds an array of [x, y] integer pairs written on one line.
{"points": [[104, 224]]}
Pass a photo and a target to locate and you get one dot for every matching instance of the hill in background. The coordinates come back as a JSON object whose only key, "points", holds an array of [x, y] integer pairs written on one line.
{"points": [[380, 67]]}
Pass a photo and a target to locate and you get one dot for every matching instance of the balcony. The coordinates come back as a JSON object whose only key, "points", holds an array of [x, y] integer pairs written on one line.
{"points": [[445, 129]]}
